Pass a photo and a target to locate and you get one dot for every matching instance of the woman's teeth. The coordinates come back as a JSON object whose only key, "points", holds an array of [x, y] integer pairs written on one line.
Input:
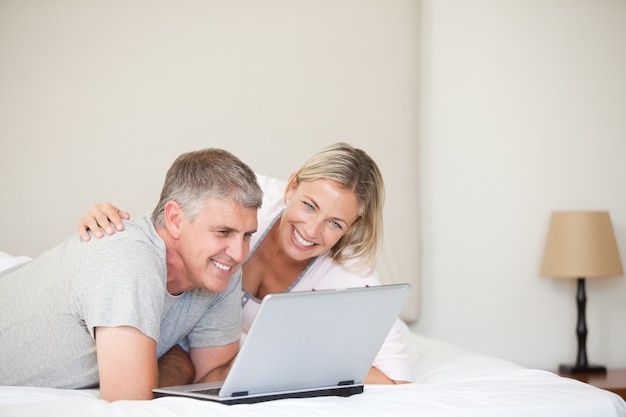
{"points": [[300, 240]]}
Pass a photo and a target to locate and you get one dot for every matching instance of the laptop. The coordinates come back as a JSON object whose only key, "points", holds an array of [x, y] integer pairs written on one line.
{"points": [[306, 344]]}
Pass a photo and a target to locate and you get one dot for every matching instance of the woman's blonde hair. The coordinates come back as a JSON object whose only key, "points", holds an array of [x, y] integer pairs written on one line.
{"points": [[356, 171]]}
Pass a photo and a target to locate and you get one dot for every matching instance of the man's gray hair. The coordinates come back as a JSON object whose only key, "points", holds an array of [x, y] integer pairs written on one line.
{"points": [[197, 176]]}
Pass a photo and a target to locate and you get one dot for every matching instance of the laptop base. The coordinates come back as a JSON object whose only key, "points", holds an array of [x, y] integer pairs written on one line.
{"points": [[326, 392]]}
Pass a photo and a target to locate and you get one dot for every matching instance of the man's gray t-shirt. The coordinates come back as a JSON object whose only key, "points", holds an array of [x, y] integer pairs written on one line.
{"points": [[51, 305]]}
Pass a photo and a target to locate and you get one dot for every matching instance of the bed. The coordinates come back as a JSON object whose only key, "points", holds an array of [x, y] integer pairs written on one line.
{"points": [[446, 381]]}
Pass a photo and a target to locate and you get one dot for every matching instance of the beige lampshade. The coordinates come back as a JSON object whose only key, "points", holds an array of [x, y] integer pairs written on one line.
{"points": [[581, 244]]}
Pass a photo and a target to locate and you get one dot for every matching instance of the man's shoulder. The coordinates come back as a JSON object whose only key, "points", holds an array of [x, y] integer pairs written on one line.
{"points": [[140, 229], [142, 224]]}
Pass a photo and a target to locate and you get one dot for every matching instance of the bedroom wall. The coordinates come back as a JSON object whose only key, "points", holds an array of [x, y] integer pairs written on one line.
{"points": [[520, 113], [523, 113], [98, 98]]}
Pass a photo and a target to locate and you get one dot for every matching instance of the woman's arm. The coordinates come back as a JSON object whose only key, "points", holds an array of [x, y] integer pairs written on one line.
{"points": [[99, 218], [375, 376]]}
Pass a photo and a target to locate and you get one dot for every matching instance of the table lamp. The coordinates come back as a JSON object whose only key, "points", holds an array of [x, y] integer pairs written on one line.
{"points": [[580, 245]]}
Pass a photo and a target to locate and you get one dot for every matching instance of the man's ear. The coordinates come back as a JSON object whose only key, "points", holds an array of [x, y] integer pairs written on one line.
{"points": [[173, 215]]}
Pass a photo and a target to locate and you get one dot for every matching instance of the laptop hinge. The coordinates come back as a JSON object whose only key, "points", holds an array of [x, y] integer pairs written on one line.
{"points": [[348, 382]]}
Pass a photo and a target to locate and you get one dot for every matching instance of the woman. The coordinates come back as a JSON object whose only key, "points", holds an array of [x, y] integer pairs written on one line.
{"points": [[320, 230]]}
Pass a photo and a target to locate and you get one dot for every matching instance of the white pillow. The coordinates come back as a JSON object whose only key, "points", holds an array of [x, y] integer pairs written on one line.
{"points": [[7, 261]]}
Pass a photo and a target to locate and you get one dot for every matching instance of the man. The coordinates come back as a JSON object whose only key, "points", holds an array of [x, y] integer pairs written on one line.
{"points": [[83, 315]]}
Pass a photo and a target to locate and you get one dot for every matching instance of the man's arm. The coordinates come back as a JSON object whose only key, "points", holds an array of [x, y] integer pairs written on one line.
{"points": [[127, 363], [175, 368], [213, 363]]}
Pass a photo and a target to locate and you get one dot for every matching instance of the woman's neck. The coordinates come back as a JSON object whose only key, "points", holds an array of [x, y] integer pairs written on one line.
{"points": [[270, 269]]}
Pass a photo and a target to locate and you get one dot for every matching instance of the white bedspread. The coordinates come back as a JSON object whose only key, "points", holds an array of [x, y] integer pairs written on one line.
{"points": [[447, 381]]}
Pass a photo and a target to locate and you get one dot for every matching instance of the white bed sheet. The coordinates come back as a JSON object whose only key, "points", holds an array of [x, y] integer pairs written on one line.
{"points": [[447, 381]]}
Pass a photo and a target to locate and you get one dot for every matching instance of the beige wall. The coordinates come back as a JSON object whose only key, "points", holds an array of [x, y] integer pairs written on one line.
{"points": [[523, 110], [98, 98]]}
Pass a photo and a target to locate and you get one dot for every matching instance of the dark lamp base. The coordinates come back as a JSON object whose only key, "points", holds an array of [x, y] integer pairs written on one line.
{"points": [[577, 369]]}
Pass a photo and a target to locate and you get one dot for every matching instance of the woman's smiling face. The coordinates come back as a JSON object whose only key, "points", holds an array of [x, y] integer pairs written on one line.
{"points": [[317, 215]]}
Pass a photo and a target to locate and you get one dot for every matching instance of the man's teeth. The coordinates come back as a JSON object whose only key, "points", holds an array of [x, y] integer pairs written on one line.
{"points": [[221, 266], [300, 240]]}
